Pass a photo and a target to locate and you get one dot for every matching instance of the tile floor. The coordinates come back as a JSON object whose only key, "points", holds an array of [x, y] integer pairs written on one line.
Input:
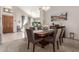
{"points": [[12, 36], [21, 46], [16, 43]]}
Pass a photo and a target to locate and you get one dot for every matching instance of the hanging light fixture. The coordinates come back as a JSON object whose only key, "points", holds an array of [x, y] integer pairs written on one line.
{"points": [[45, 8]]}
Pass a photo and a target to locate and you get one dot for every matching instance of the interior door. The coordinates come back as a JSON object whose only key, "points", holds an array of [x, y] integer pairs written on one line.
{"points": [[7, 24]]}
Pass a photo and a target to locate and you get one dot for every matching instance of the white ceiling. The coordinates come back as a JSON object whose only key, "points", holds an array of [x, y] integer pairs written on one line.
{"points": [[31, 10]]}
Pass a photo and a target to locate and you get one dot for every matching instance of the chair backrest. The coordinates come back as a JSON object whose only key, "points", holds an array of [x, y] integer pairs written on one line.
{"points": [[45, 28], [39, 28], [30, 35], [62, 33], [33, 28], [57, 34]]}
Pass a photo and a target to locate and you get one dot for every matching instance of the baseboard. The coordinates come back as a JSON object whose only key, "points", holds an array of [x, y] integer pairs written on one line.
{"points": [[72, 39]]}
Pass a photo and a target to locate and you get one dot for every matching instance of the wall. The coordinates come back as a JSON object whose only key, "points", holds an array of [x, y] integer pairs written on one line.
{"points": [[72, 24], [0, 24], [33, 11], [17, 13]]}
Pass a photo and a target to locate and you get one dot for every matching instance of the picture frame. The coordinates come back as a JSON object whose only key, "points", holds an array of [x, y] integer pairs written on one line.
{"points": [[62, 16]]}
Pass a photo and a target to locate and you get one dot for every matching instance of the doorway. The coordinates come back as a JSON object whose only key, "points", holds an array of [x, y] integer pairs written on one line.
{"points": [[8, 33], [7, 22]]}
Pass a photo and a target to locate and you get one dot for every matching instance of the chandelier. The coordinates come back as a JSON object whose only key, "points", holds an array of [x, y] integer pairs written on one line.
{"points": [[45, 8]]}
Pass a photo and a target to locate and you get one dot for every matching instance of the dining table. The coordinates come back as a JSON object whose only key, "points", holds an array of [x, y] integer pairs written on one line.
{"points": [[42, 34]]}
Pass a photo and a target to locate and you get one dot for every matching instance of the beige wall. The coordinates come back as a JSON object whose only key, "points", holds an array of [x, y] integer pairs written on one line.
{"points": [[72, 24], [17, 16], [17, 13]]}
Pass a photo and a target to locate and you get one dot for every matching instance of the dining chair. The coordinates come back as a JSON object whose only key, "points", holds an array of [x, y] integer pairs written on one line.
{"points": [[33, 28], [61, 36], [31, 38], [45, 28], [39, 28], [54, 40]]}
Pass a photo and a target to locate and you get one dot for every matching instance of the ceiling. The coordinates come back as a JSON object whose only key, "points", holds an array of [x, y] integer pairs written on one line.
{"points": [[31, 10]]}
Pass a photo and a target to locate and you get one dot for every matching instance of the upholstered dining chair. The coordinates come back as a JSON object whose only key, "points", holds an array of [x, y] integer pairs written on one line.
{"points": [[39, 28], [54, 40], [33, 28], [31, 38], [61, 36]]}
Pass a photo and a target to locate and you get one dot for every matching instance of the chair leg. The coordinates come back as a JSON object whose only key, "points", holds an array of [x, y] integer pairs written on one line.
{"points": [[57, 44], [53, 47], [28, 45], [42, 46], [60, 41], [33, 47]]}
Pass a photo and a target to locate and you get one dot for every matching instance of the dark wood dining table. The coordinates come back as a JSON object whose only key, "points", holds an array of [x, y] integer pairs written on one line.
{"points": [[42, 34]]}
